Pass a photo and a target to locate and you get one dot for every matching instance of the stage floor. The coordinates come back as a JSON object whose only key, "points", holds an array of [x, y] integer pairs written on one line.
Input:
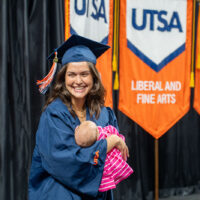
{"points": [[189, 197]]}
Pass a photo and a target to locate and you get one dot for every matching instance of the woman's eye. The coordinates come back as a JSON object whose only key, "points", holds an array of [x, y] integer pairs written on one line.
{"points": [[71, 75], [85, 74]]}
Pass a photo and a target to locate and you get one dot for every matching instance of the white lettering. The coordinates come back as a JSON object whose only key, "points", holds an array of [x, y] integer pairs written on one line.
{"points": [[146, 98], [172, 86], [166, 99], [146, 86]]}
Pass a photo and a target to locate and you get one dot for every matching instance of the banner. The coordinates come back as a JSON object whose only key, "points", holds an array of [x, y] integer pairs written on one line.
{"points": [[155, 57], [197, 68], [94, 20]]}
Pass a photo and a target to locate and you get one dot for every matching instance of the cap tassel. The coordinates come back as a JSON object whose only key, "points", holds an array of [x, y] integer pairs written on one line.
{"points": [[46, 81]]}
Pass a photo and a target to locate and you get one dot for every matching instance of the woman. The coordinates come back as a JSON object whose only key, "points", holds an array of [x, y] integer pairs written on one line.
{"points": [[60, 168]]}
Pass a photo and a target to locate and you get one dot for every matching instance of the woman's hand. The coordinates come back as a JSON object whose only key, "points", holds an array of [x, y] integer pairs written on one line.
{"points": [[121, 145], [116, 141]]}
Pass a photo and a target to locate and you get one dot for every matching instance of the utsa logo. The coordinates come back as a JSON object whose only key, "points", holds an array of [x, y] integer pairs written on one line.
{"points": [[96, 9], [156, 30], [96, 157], [90, 18], [158, 20]]}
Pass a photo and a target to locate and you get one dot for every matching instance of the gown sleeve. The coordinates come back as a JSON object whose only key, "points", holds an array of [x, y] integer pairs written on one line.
{"points": [[112, 118], [65, 161]]}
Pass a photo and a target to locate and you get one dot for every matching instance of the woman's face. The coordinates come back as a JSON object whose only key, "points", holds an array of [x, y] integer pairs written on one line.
{"points": [[78, 80]]}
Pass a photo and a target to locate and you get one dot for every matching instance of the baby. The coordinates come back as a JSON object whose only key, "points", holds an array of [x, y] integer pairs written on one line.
{"points": [[115, 168], [86, 134]]}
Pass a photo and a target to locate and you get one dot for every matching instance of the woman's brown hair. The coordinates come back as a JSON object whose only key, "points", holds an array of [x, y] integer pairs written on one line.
{"points": [[95, 98]]}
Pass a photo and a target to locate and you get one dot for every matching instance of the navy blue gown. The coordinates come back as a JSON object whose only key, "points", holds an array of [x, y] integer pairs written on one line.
{"points": [[60, 169]]}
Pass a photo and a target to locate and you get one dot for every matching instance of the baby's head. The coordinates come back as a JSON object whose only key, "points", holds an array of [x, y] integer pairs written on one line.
{"points": [[86, 134]]}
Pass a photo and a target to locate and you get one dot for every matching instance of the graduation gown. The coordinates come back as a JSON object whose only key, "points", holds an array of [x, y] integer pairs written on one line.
{"points": [[60, 169]]}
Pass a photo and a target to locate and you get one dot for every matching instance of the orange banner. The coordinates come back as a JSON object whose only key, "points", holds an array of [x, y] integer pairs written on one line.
{"points": [[155, 61], [94, 20], [197, 68]]}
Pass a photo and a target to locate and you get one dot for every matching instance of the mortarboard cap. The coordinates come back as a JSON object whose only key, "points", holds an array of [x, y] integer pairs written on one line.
{"points": [[75, 49]]}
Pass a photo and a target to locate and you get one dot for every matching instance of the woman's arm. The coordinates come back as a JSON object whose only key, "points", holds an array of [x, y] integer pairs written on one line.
{"points": [[64, 160], [115, 141]]}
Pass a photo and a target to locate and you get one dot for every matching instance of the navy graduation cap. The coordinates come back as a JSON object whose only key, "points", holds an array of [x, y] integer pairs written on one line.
{"points": [[75, 49]]}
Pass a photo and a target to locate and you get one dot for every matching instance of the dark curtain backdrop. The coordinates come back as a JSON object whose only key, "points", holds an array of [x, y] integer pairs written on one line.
{"points": [[30, 30]]}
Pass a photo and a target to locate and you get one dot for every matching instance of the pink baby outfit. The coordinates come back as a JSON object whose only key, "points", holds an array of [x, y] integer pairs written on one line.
{"points": [[116, 169]]}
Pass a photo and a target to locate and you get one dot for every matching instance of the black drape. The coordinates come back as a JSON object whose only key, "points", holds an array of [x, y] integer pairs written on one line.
{"points": [[179, 160], [30, 30]]}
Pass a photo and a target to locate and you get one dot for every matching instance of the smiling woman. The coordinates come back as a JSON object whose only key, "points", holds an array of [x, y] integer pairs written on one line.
{"points": [[78, 81], [60, 168]]}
